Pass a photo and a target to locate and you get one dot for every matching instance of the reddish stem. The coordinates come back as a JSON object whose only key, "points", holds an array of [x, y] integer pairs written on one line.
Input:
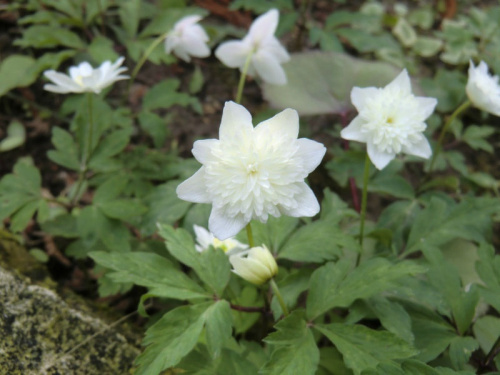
{"points": [[248, 309]]}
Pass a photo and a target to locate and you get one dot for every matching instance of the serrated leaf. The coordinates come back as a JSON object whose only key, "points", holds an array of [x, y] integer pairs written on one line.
{"points": [[393, 317], [66, 153], [487, 330], [122, 209], [165, 95], [332, 285], [461, 349], [313, 89], [218, 326], [475, 136], [149, 270], [44, 36], [275, 232], [295, 349], [110, 189], [364, 348], [21, 217]]}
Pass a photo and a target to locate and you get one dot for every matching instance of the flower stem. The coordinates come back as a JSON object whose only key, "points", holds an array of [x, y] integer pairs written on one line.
{"points": [[145, 57], [364, 196], [277, 293], [447, 124], [250, 236], [241, 84]]}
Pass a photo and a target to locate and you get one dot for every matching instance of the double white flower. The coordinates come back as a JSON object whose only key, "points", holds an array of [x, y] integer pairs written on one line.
{"points": [[390, 121], [260, 44], [251, 173], [483, 89], [83, 78], [205, 239], [187, 39], [256, 265]]}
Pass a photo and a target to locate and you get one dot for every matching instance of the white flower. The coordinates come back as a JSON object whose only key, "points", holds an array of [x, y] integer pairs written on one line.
{"points": [[251, 173], [187, 39], [205, 239], [267, 52], [390, 121], [256, 265], [483, 89], [83, 78]]}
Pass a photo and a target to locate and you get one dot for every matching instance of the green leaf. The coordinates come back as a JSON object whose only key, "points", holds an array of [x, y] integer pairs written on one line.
{"points": [[405, 32], [475, 136], [487, 330], [332, 286], [101, 49], [155, 126], [13, 72], [218, 327], [62, 226], [291, 287], [90, 222], [448, 87], [461, 349], [110, 189], [66, 153], [393, 317], [16, 136], [180, 244], [165, 95], [21, 218], [44, 36], [392, 184], [214, 269], [313, 89], [171, 338], [317, 242], [152, 271], [427, 47], [275, 232], [295, 351], [364, 348], [488, 269], [109, 146], [122, 209], [129, 13]]}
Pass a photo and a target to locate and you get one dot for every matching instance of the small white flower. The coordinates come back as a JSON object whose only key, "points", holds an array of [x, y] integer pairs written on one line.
{"points": [[256, 265], [483, 89], [205, 239], [251, 173], [390, 120], [267, 52], [187, 39], [83, 78]]}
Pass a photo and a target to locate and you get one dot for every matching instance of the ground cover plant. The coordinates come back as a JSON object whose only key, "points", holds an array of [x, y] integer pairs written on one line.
{"points": [[278, 187]]}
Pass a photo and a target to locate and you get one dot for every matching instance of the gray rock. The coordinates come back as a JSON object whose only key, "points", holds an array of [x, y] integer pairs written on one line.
{"points": [[43, 334]]}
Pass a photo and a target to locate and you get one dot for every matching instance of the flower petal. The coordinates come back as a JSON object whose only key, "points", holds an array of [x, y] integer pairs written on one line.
{"points": [[273, 46], [194, 41], [223, 226], [235, 120], [401, 83], [233, 53], [379, 158], [354, 131], [269, 68], [426, 106], [202, 149], [193, 189], [249, 269], [307, 203], [421, 148], [63, 81], [283, 124], [360, 95], [264, 25], [311, 153]]}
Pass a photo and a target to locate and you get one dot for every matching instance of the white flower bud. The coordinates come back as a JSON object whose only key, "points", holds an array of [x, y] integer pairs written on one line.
{"points": [[256, 265]]}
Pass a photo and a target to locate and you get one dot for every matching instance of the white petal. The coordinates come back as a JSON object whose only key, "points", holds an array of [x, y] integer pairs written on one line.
{"points": [[283, 124], [354, 132], [249, 269], [171, 41], [187, 21], [379, 158], [224, 227], [194, 41], [307, 203], [311, 153], [421, 148], [203, 237], [269, 68], [202, 150], [58, 89], [426, 106], [359, 96], [235, 119], [181, 53], [233, 53], [401, 83], [194, 189], [273, 46], [264, 25], [63, 81]]}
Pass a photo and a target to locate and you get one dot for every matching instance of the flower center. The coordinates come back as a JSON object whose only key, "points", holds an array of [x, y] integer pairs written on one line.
{"points": [[252, 168]]}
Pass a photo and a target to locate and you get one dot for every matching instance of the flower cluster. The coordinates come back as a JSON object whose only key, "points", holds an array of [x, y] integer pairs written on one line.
{"points": [[251, 173]]}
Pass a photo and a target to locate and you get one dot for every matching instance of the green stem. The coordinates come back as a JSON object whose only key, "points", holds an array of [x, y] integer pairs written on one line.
{"points": [[244, 72], [145, 57], [277, 293], [445, 128], [364, 197], [250, 236]]}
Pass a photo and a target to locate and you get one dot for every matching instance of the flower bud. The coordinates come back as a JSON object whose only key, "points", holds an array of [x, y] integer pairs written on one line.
{"points": [[256, 265]]}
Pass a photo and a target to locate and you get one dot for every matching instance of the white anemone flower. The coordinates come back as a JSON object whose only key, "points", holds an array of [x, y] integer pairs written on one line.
{"points": [[84, 78], [205, 239], [267, 54], [187, 39], [256, 265], [390, 120], [251, 173], [483, 89]]}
